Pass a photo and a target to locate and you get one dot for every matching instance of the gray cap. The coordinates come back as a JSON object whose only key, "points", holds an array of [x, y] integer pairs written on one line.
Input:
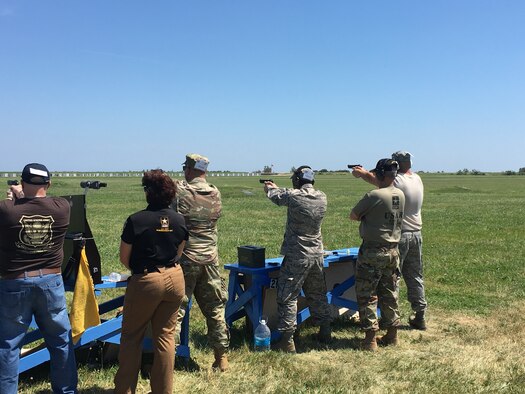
{"points": [[401, 155]]}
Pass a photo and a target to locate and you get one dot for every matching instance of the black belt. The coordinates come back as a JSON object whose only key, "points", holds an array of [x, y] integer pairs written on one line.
{"points": [[149, 270]]}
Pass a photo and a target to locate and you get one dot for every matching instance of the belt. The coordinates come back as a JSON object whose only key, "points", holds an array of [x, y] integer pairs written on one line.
{"points": [[149, 270], [31, 274]]}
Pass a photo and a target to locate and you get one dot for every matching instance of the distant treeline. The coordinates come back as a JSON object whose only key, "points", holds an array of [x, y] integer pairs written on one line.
{"points": [[466, 171]]}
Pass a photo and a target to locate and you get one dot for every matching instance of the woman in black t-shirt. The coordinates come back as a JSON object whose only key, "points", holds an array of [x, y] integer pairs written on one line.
{"points": [[151, 245]]}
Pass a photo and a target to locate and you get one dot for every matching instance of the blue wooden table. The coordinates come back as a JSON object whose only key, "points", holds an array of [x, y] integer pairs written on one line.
{"points": [[107, 331], [247, 287]]}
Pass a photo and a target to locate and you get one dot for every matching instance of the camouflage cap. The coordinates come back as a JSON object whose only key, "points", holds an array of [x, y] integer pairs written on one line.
{"points": [[196, 161], [401, 155]]}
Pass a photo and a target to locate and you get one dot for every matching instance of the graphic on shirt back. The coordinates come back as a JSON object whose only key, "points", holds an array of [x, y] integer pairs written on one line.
{"points": [[395, 202], [36, 234], [164, 225]]}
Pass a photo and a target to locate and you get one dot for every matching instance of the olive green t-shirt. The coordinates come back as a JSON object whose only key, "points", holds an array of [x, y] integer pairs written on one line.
{"points": [[381, 215]]}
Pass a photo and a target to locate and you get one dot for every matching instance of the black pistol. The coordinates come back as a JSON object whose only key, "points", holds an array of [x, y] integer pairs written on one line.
{"points": [[354, 165], [12, 182], [265, 180]]}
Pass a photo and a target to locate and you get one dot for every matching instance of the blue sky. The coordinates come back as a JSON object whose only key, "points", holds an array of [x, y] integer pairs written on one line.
{"points": [[129, 85]]}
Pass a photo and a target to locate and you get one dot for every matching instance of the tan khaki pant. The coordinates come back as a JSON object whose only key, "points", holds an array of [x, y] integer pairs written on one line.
{"points": [[156, 298]]}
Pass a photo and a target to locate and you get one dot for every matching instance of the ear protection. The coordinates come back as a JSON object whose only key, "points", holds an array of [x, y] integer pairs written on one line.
{"points": [[297, 176], [388, 165]]}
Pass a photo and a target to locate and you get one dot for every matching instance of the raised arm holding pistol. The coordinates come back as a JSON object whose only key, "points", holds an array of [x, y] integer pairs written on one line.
{"points": [[268, 184], [15, 190], [359, 172]]}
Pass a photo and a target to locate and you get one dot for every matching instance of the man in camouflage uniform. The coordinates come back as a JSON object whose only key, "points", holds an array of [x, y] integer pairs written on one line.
{"points": [[302, 247], [410, 245], [380, 212], [200, 204]]}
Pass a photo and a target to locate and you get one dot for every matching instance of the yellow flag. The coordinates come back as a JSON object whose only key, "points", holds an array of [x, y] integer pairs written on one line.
{"points": [[84, 309]]}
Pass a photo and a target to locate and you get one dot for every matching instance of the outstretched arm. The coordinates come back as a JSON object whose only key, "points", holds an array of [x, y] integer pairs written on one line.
{"points": [[370, 177], [278, 196]]}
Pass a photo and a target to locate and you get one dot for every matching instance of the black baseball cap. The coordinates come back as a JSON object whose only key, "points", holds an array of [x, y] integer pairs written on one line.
{"points": [[386, 166], [36, 174]]}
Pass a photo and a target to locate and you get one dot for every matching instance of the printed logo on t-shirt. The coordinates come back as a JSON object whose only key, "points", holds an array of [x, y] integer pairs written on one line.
{"points": [[164, 225], [395, 202], [36, 235]]}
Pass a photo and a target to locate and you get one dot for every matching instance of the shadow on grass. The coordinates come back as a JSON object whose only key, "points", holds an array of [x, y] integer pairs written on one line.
{"points": [[306, 343], [35, 375], [95, 390], [93, 357], [186, 364], [239, 338]]}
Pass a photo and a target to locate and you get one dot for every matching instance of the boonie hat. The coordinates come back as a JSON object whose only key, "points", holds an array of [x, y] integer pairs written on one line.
{"points": [[36, 174], [197, 162], [401, 155]]}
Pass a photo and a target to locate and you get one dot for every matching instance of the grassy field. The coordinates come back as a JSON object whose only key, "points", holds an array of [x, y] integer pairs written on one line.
{"points": [[475, 280]]}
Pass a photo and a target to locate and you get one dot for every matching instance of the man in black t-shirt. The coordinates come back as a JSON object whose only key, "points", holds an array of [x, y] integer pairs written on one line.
{"points": [[32, 231]]}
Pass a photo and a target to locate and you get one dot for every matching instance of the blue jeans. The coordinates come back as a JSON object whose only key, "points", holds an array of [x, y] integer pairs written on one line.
{"points": [[43, 297]]}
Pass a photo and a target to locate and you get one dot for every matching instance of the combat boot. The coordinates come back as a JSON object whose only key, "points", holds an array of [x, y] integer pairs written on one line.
{"points": [[221, 361], [369, 343], [390, 338], [417, 321], [286, 343], [325, 333]]}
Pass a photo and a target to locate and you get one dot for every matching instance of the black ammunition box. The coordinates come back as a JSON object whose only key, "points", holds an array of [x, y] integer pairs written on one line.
{"points": [[251, 256]]}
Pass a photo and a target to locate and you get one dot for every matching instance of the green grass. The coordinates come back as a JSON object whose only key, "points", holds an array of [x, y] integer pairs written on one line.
{"points": [[475, 282]]}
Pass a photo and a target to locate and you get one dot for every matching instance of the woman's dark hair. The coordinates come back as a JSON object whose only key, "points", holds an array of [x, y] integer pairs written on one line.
{"points": [[159, 188]]}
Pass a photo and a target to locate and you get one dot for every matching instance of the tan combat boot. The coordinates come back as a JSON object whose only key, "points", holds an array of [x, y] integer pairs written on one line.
{"points": [[221, 361], [369, 343], [286, 343], [390, 338]]}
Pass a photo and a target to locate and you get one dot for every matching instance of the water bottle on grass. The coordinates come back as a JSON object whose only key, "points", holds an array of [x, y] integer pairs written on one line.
{"points": [[261, 337]]}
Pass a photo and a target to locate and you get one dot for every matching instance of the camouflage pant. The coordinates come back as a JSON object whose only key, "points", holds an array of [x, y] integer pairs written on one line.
{"points": [[411, 266], [209, 288], [376, 282], [301, 273]]}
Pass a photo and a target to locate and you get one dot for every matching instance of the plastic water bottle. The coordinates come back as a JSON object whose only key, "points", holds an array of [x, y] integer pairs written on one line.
{"points": [[114, 277], [261, 337]]}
